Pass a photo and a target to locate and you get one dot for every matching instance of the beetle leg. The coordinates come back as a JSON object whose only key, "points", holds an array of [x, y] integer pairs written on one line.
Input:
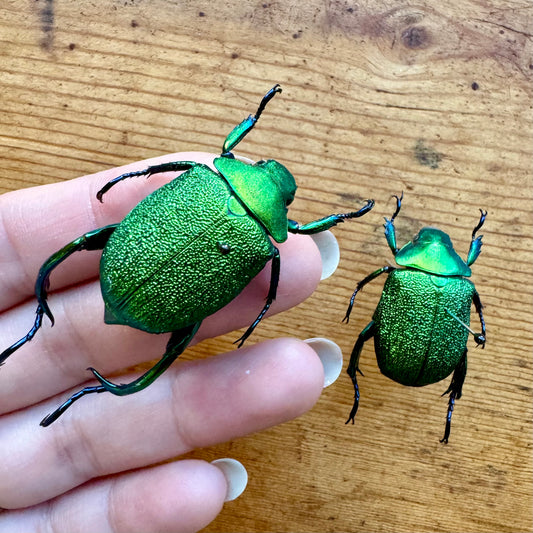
{"points": [[361, 284], [274, 280], [93, 240], [479, 337], [455, 390], [390, 232], [328, 222], [172, 166], [353, 366], [52, 417], [179, 340], [475, 245], [238, 133]]}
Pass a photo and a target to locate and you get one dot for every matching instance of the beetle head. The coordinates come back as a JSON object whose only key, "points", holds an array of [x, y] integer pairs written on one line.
{"points": [[266, 188], [281, 178], [431, 250]]}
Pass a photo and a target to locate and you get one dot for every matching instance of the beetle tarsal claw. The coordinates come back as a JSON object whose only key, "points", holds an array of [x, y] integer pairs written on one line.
{"points": [[480, 339]]}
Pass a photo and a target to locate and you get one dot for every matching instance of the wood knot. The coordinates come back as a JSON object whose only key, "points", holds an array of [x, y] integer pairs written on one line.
{"points": [[416, 37]]}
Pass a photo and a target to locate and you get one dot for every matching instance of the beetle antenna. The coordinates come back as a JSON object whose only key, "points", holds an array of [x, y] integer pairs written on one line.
{"points": [[478, 337]]}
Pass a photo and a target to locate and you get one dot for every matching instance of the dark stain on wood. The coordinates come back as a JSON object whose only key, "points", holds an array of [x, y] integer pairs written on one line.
{"points": [[47, 18], [427, 156], [416, 37]]}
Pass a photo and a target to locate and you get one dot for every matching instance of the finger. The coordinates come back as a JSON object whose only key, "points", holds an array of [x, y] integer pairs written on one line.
{"points": [[36, 222], [192, 405], [182, 496], [57, 358]]}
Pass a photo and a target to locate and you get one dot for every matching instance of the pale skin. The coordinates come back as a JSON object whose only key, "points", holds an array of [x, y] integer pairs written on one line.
{"points": [[92, 470]]}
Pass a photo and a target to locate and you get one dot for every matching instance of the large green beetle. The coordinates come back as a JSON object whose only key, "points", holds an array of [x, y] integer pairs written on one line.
{"points": [[421, 324], [186, 250]]}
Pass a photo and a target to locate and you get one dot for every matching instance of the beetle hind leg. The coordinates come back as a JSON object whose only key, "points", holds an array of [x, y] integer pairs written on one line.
{"points": [[179, 340], [93, 240], [353, 366], [455, 390]]}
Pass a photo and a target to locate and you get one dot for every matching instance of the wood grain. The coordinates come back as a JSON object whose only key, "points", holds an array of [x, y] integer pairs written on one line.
{"points": [[379, 97]]}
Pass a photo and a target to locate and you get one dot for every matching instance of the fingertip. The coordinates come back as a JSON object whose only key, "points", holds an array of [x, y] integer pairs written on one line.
{"points": [[330, 356], [329, 250], [299, 373], [301, 264], [261, 386], [190, 494]]}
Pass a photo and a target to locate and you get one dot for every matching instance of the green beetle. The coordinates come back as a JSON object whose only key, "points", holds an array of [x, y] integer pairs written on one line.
{"points": [[187, 250], [421, 324]]}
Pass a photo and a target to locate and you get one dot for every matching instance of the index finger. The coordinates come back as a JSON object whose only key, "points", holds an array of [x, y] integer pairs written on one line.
{"points": [[36, 222]]}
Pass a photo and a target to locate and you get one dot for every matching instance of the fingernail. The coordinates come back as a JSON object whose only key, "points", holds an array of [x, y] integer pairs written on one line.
{"points": [[235, 474], [329, 252], [330, 356]]}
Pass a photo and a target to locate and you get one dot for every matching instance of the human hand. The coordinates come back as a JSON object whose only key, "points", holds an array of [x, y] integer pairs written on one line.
{"points": [[93, 469]]}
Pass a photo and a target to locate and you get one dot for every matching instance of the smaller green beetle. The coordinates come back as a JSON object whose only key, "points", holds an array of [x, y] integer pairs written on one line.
{"points": [[421, 324], [187, 250]]}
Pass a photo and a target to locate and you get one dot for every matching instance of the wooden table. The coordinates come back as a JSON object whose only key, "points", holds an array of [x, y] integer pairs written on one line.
{"points": [[379, 97]]}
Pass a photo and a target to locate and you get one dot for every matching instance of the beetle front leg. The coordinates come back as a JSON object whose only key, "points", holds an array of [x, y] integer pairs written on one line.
{"points": [[390, 231], [172, 166], [328, 222], [240, 131], [176, 345], [353, 366], [93, 240], [476, 243], [455, 390], [274, 280]]}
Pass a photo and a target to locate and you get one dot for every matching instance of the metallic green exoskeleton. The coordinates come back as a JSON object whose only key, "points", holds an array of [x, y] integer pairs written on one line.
{"points": [[421, 324], [186, 250]]}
